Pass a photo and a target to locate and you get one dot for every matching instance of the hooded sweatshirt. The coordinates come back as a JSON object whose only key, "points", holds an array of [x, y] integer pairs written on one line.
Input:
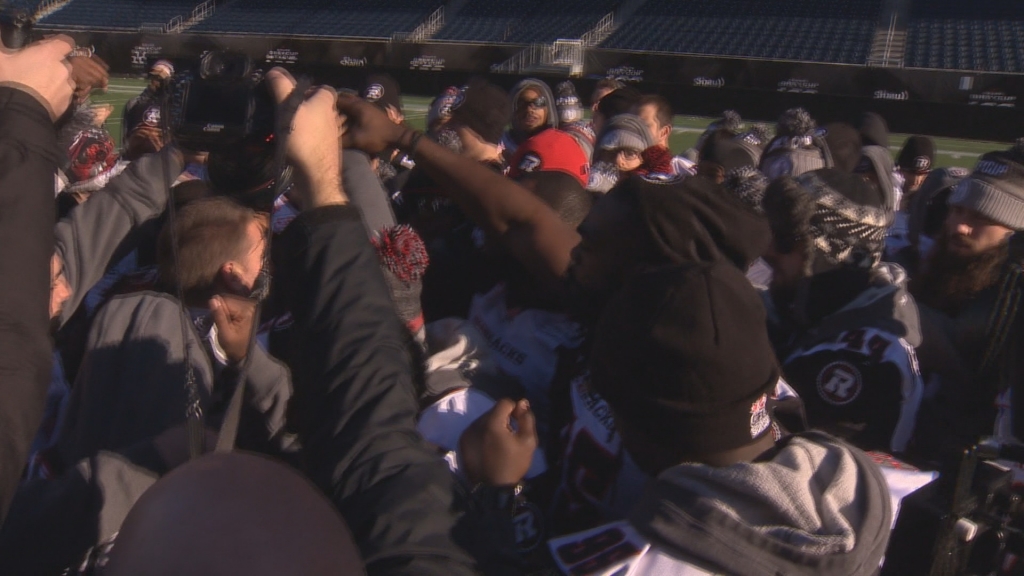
{"points": [[812, 505], [511, 140], [855, 368]]}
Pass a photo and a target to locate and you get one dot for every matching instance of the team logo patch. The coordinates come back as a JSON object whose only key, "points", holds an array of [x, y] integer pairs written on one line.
{"points": [[759, 420], [374, 92], [957, 172], [152, 116], [530, 162], [839, 383], [922, 163]]}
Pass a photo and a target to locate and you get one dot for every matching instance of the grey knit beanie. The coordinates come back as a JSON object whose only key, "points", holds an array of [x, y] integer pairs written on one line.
{"points": [[626, 131], [995, 190]]}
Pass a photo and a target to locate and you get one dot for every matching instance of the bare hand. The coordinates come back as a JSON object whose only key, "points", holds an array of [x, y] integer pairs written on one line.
{"points": [[42, 70], [234, 318], [88, 74], [493, 451], [312, 144], [367, 127], [143, 140]]}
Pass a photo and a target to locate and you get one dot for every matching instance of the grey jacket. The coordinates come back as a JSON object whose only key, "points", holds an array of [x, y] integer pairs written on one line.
{"points": [[99, 231], [816, 506], [130, 389]]}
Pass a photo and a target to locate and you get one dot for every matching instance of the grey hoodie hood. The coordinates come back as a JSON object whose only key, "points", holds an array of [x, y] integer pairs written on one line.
{"points": [[886, 305], [545, 90], [817, 506]]}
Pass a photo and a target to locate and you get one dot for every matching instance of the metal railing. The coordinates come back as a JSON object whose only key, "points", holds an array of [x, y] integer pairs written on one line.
{"points": [[600, 32], [560, 54], [426, 30]]}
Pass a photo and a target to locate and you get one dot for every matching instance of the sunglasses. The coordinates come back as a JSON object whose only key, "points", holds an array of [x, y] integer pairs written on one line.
{"points": [[628, 153], [538, 102]]}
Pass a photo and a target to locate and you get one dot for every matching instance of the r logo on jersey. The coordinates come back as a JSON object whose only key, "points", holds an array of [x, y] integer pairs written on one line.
{"points": [[529, 163], [839, 383]]}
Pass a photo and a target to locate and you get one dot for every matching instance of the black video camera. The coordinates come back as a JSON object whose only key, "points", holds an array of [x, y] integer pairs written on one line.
{"points": [[968, 521], [222, 104], [225, 108]]}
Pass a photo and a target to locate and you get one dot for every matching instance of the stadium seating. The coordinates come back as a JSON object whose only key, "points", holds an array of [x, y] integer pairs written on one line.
{"points": [[812, 30], [118, 14], [959, 35], [524, 21], [331, 18]]}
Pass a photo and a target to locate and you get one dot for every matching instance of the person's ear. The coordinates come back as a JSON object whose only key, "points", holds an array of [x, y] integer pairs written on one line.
{"points": [[231, 277], [666, 132]]}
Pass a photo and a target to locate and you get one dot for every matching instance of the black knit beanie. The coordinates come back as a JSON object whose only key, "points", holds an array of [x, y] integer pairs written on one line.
{"points": [[682, 353], [695, 220]]}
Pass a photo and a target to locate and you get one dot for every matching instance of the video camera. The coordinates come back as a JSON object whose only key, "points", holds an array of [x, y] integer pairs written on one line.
{"points": [[222, 104], [225, 108], [968, 521]]}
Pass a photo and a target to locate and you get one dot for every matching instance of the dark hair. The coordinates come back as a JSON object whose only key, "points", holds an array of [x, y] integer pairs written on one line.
{"points": [[618, 102], [210, 232], [789, 209], [663, 110], [562, 192], [608, 84]]}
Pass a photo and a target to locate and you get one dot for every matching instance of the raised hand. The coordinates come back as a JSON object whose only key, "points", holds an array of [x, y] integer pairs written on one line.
{"points": [[42, 70]]}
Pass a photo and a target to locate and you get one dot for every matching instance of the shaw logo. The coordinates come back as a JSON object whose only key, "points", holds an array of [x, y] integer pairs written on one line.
{"points": [[703, 82], [885, 95]]}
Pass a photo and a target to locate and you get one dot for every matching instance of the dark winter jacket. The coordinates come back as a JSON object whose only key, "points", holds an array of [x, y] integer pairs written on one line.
{"points": [[28, 164], [355, 408]]}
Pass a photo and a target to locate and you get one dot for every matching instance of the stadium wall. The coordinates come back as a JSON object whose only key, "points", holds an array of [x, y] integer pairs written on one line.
{"points": [[938, 102]]}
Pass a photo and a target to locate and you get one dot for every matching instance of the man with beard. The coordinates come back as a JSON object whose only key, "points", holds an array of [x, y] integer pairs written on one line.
{"points": [[970, 288]]}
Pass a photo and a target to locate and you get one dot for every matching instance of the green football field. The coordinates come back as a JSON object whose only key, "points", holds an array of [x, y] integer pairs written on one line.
{"points": [[951, 152]]}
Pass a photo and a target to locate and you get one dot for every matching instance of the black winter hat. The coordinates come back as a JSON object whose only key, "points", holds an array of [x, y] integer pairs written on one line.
{"points": [[917, 155], [874, 130], [383, 90], [483, 108], [682, 353], [695, 220], [618, 102]]}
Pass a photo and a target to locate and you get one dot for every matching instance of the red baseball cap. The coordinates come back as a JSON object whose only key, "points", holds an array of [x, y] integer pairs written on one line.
{"points": [[551, 150]]}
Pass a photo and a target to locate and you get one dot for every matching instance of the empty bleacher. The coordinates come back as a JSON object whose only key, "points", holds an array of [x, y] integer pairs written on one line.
{"points": [[811, 30], [952, 34], [118, 14], [329, 18], [524, 21]]}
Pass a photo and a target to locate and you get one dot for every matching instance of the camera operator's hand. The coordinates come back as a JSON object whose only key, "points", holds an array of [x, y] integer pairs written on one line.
{"points": [[42, 70], [234, 318], [367, 127], [312, 143], [495, 453], [88, 74], [143, 140]]}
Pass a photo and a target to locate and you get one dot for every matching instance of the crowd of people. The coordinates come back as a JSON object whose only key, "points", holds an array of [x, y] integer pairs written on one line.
{"points": [[520, 341]]}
